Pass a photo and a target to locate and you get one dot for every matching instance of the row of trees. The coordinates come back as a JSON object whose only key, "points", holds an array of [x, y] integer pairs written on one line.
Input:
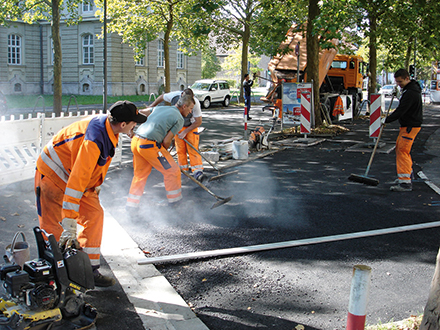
{"points": [[255, 26]]}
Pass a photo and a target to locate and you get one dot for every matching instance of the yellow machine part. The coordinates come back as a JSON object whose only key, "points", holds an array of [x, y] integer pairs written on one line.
{"points": [[9, 308]]}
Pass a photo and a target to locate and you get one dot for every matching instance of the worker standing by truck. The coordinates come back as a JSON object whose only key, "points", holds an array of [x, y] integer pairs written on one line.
{"points": [[247, 84]]}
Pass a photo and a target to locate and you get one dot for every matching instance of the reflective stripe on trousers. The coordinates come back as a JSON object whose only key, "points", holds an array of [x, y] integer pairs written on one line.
{"points": [[91, 215], [183, 150], [404, 144]]}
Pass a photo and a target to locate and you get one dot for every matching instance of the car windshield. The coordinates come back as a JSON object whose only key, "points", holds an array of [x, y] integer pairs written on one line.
{"points": [[388, 87], [201, 86]]}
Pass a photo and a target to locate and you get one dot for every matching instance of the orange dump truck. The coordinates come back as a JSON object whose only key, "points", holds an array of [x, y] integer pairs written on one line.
{"points": [[338, 74]]}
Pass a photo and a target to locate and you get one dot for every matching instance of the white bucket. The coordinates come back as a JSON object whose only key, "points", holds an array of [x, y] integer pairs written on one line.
{"points": [[240, 149]]}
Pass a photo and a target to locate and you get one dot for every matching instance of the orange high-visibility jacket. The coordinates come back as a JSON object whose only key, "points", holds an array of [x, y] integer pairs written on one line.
{"points": [[338, 108], [77, 159]]}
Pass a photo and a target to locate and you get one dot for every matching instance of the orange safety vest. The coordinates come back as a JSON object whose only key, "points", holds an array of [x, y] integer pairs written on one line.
{"points": [[338, 108], [77, 159]]}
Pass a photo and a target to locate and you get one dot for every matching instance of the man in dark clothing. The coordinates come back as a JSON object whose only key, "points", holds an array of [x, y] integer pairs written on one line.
{"points": [[247, 83], [409, 112]]}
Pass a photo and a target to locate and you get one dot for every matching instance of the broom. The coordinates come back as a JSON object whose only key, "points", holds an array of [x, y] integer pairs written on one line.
{"points": [[364, 178]]}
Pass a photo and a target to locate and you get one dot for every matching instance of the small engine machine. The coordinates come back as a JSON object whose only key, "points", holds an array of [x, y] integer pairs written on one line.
{"points": [[47, 293]]}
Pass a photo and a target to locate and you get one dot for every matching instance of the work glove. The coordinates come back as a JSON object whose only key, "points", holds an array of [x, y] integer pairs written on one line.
{"points": [[68, 236]]}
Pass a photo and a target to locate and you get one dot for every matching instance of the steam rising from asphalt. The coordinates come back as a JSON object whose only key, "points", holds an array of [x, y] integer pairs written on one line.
{"points": [[257, 203]]}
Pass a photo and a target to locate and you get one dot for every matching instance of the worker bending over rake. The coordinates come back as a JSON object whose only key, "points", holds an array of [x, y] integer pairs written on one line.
{"points": [[150, 149]]}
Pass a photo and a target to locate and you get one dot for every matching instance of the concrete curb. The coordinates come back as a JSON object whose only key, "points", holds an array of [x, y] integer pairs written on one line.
{"points": [[154, 299]]}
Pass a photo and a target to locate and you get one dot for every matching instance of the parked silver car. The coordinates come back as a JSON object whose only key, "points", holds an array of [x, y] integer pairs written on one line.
{"points": [[209, 91], [386, 90]]}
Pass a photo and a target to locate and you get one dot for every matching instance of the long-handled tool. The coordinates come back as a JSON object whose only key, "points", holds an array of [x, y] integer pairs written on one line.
{"points": [[220, 200], [364, 178], [219, 174]]}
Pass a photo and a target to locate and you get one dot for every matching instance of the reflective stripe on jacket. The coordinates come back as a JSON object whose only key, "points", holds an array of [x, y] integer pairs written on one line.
{"points": [[77, 159]]}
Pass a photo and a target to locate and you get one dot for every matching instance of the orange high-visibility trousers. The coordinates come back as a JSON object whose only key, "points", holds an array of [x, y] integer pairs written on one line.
{"points": [[91, 215], [404, 144], [145, 157], [183, 149]]}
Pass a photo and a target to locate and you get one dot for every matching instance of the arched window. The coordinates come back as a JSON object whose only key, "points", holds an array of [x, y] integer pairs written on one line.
{"points": [[160, 54], [88, 50], [14, 49], [17, 87], [142, 88]]}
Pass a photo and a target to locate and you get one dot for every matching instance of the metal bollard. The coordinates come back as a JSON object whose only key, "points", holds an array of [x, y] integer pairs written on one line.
{"points": [[245, 122], [357, 307]]}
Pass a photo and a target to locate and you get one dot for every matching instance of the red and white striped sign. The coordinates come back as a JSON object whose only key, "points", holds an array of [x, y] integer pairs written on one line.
{"points": [[305, 113], [375, 112]]}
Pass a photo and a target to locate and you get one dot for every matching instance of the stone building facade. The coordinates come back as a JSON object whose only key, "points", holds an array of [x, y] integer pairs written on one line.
{"points": [[27, 61]]}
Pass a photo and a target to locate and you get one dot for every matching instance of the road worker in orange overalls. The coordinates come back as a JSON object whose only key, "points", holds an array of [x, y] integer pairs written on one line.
{"points": [[409, 112], [69, 172], [189, 132], [150, 149]]}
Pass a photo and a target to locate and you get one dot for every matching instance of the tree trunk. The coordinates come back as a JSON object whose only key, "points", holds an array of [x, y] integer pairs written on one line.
{"points": [[57, 66], [313, 58], [244, 57], [431, 316], [166, 52], [373, 53]]}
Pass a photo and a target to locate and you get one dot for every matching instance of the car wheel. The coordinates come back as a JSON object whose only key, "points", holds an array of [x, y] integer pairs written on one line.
{"points": [[206, 103], [226, 101]]}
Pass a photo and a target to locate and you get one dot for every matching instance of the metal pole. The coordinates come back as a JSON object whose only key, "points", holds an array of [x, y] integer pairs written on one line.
{"points": [[245, 122], [357, 307], [287, 244], [104, 100], [415, 54]]}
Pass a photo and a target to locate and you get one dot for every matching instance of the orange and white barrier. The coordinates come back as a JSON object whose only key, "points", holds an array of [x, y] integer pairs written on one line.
{"points": [[305, 114], [375, 112], [357, 307]]}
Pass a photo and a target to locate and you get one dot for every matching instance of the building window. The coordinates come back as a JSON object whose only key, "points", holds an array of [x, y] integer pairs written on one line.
{"points": [[87, 7], [14, 49], [86, 88], [142, 88], [87, 46], [180, 59], [160, 54], [17, 87]]}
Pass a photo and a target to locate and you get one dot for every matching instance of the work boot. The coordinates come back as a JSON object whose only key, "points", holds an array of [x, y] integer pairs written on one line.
{"points": [[402, 187], [102, 280], [199, 176]]}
